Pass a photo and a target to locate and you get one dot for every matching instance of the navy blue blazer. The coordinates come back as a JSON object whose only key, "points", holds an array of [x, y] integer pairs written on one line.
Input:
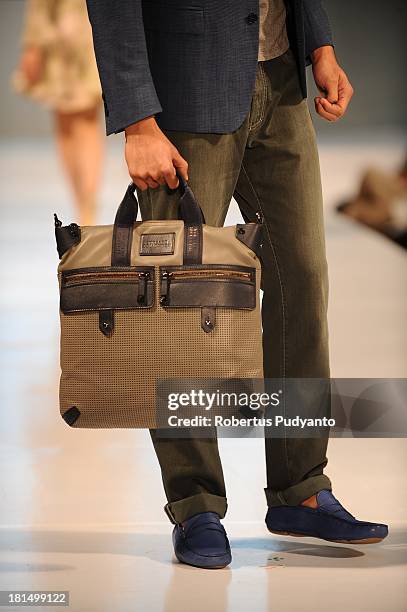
{"points": [[192, 63]]}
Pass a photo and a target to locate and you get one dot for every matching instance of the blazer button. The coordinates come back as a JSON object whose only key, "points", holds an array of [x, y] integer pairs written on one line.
{"points": [[251, 18]]}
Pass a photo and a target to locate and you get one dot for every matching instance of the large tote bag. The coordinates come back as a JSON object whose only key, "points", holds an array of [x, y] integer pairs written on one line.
{"points": [[142, 301]]}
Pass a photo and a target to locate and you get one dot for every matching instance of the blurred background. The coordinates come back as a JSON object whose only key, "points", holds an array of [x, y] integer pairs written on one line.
{"points": [[66, 518]]}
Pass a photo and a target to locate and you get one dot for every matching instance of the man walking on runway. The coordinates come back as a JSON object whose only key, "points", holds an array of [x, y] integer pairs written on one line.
{"points": [[216, 90]]}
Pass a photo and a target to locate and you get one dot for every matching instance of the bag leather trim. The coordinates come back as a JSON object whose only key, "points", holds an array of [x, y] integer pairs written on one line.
{"points": [[66, 237], [71, 415], [106, 322], [193, 243], [251, 234], [214, 292], [114, 294]]}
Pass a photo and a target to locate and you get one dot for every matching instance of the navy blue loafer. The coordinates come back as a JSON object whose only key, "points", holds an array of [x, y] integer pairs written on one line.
{"points": [[329, 521], [202, 542]]}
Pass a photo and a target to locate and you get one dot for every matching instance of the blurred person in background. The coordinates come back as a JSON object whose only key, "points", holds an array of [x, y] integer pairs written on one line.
{"points": [[381, 203], [58, 69]]}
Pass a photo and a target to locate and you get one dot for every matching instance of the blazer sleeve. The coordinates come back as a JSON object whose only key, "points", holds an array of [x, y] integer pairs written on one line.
{"points": [[119, 41], [317, 28]]}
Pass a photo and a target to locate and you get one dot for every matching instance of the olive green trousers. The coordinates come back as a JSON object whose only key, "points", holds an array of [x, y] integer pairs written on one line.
{"points": [[269, 165]]}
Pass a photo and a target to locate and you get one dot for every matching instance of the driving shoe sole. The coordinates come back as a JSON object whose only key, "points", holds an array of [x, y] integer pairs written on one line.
{"points": [[305, 535]]}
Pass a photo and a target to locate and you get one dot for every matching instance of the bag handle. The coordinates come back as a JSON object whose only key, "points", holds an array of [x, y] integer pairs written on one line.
{"points": [[188, 210]]}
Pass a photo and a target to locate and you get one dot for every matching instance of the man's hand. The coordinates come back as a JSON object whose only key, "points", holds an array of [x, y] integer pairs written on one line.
{"points": [[151, 158], [333, 84]]}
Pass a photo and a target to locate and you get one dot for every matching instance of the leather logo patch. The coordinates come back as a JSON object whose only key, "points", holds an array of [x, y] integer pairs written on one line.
{"points": [[157, 244]]}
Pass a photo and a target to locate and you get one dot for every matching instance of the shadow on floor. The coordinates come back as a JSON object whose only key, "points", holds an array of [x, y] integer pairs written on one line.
{"points": [[247, 552]]}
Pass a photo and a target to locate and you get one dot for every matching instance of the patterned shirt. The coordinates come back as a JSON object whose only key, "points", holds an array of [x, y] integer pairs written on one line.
{"points": [[273, 40]]}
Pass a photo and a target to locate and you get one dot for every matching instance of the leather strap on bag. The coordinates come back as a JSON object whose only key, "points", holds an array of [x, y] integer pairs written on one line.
{"points": [[188, 210]]}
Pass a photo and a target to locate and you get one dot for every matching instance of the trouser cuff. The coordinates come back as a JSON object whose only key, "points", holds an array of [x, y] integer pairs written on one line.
{"points": [[292, 496], [183, 509]]}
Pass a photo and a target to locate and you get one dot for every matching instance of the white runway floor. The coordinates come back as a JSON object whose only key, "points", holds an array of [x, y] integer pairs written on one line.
{"points": [[82, 510]]}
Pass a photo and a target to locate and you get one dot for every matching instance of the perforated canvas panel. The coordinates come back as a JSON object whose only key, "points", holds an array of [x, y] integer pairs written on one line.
{"points": [[112, 379]]}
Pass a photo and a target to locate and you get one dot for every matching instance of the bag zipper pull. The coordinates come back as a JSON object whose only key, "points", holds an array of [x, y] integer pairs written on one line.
{"points": [[142, 287], [165, 286]]}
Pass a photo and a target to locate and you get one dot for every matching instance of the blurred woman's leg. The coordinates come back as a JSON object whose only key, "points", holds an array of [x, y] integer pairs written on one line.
{"points": [[81, 146]]}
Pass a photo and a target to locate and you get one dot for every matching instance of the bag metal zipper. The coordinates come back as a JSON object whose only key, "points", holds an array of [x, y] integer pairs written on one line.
{"points": [[90, 277], [213, 273], [142, 279], [190, 275]]}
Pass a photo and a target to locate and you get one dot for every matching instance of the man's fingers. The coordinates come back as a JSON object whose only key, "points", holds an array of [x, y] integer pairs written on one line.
{"points": [[181, 165], [345, 96], [322, 112], [344, 99], [140, 183], [336, 91], [333, 109], [345, 93], [155, 181], [158, 177], [171, 178], [152, 159], [151, 182]]}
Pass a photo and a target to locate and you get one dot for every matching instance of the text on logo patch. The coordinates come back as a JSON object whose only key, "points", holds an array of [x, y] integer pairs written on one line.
{"points": [[157, 244]]}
